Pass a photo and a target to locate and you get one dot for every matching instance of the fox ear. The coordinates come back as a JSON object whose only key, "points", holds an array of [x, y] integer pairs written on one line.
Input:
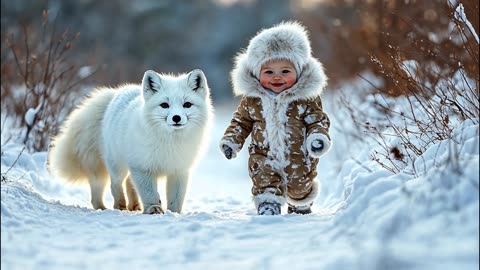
{"points": [[197, 80], [151, 83]]}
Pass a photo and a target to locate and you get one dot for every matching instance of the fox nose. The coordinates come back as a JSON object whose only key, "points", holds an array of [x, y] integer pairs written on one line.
{"points": [[176, 118]]}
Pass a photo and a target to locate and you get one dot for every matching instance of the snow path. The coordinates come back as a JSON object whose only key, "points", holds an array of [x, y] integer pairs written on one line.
{"points": [[363, 219]]}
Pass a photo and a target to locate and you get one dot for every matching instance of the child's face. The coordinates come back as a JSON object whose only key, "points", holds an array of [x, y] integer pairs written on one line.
{"points": [[278, 75]]}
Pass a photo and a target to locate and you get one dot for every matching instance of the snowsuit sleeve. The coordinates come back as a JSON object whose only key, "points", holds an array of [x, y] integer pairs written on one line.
{"points": [[318, 124], [239, 129]]}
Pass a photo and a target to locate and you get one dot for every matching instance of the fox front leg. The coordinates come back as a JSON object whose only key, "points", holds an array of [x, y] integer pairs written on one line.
{"points": [[146, 186], [176, 188]]}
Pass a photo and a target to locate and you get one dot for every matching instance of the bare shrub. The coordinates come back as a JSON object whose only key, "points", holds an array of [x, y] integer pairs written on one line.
{"points": [[40, 81], [437, 82], [349, 32], [5, 176]]}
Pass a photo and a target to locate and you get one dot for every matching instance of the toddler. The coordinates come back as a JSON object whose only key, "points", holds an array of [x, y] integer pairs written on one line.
{"points": [[280, 84]]}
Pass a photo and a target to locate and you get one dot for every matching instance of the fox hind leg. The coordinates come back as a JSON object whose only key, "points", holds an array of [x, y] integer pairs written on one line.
{"points": [[133, 201], [117, 177], [97, 189]]}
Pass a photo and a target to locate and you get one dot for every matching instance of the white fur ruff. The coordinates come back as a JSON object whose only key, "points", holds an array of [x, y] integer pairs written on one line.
{"points": [[268, 197]]}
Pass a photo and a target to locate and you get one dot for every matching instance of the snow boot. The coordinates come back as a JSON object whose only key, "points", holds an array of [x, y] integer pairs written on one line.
{"points": [[269, 209], [302, 210]]}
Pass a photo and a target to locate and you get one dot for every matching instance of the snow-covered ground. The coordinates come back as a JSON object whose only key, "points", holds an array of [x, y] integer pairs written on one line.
{"points": [[365, 218]]}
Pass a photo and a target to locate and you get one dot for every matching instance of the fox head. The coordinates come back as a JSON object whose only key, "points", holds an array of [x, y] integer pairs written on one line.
{"points": [[176, 102]]}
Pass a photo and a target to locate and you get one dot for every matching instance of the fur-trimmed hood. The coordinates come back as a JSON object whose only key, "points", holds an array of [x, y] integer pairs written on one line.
{"points": [[286, 41]]}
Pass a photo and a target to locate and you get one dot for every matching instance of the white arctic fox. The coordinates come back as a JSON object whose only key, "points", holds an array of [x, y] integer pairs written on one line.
{"points": [[136, 135]]}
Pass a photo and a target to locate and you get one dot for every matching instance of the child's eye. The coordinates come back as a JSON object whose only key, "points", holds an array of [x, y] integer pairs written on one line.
{"points": [[187, 105], [268, 72], [164, 105], [285, 71]]}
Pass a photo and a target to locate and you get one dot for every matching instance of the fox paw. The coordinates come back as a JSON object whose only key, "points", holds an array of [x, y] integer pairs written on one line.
{"points": [[120, 206], [134, 207], [153, 209]]}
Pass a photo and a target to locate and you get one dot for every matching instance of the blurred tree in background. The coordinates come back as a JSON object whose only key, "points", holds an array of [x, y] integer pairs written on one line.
{"points": [[353, 33], [124, 38]]}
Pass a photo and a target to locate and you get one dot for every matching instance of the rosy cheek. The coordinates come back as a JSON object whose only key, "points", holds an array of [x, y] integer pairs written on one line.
{"points": [[290, 81], [264, 81]]}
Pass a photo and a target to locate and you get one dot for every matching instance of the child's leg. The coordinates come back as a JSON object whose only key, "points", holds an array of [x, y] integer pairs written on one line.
{"points": [[268, 186], [301, 193]]}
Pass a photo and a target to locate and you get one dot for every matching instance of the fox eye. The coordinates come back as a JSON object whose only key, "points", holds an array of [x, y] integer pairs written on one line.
{"points": [[164, 105], [187, 105]]}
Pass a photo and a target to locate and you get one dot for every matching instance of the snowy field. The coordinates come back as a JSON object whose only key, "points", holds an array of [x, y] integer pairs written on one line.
{"points": [[365, 218]]}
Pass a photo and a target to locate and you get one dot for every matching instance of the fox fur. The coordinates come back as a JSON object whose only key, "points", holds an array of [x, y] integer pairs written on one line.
{"points": [[134, 136]]}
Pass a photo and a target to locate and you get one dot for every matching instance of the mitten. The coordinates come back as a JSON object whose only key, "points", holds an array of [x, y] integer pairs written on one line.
{"points": [[317, 145], [227, 151]]}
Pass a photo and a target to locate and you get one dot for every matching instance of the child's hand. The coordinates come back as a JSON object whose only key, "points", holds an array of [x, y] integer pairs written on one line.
{"points": [[227, 151], [317, 145]]}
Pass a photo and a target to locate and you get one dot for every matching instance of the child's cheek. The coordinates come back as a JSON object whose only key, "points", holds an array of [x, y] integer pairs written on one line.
{"points": [[264, 81], [290, 81]]}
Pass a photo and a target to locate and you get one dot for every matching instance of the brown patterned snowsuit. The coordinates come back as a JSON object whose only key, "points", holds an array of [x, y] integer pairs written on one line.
{"points": [[282, 126]]}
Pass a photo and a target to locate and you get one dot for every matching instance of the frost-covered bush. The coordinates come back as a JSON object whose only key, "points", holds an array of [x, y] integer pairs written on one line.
{"points": [[40, 82], [436, 96]]}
